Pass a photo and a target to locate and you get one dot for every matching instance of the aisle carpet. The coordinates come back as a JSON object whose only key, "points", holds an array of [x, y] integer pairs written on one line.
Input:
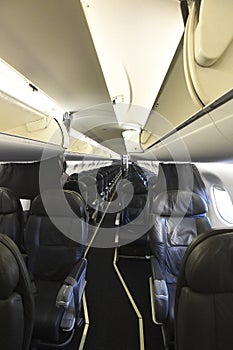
{"points": [[113, 322], [136, 274]]}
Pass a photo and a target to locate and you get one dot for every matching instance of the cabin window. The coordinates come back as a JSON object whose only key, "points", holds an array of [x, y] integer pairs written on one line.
{"points": [[223, 203]]}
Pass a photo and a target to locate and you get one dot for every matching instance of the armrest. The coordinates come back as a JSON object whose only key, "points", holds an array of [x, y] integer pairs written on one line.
{"points": [[157, 273], [160, 294], [77, 270], [70, 294], [73, 285]]}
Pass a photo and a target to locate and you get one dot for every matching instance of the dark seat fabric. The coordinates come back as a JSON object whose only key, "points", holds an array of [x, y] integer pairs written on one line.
{"points": [[77, 186], [22, 178], [204, 295], [55, 238], [92, 196], [133, 199], [11, 217], [180, 176], [81, 188], [16, 298], [178, 216], [132, 233]]}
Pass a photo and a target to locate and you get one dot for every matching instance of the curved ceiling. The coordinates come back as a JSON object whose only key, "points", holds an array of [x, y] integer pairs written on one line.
{"points": [[118, 56], [50, 44]]}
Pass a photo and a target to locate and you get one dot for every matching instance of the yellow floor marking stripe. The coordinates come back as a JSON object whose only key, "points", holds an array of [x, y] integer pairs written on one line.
{"points": [[140, 319]]}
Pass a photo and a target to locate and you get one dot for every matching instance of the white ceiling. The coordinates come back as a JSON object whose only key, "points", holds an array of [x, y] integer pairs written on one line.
{"points": [[49, 43], [135, 42]]}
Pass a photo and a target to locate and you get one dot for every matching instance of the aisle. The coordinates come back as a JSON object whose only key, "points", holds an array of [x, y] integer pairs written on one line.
{"points": [[113, 322], [136, 274]]}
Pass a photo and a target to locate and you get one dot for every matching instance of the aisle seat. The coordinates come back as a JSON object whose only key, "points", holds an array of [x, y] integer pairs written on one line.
{"points": [[178, 216], [16, 298], [11, 216], [55, 239]]}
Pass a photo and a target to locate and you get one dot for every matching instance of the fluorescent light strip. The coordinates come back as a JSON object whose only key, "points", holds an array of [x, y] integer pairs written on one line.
{"points": [[17, 86]]}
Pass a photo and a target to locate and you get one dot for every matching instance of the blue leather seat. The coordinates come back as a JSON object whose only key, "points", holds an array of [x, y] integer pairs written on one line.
{"points": [[178, 216], [204, 295], [11, 216], [55, 239], [16, 298]]}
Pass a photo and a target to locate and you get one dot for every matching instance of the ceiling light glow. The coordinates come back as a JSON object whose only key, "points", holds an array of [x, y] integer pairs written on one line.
{"points": [[14, 84]]}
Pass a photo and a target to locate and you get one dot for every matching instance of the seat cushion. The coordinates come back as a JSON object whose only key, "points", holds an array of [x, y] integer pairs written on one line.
{"points": [[48, 316]]}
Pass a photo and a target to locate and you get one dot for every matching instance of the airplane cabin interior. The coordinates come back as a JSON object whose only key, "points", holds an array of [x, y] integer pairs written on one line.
{"points": [[116, 175]]}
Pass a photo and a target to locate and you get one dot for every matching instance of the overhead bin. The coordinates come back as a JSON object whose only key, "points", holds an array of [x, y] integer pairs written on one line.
{"points": [[223, 120], [199, 141], [20, 149], [192, 116], [208, 50], [205, 136], [16, 118]]}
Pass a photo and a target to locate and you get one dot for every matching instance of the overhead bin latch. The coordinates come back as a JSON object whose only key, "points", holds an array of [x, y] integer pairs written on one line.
{"points": [[118, 99]]}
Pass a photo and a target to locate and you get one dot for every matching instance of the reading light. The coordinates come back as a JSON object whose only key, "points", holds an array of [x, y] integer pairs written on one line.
{"points": [[132, 139], [14, 84]]}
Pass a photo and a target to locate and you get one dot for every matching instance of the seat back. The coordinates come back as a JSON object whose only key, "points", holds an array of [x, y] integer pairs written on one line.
{"points": [[56, 234], [11, 216], [204, 296], [179, 217], [133, 198], [179, 214], [179, 209], [16, 298], [77, 186], [73, 176], [55, 237]]}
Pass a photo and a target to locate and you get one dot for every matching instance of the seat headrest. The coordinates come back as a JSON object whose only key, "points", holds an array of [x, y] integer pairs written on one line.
{"points": [[72, 185], [179, 203], [58, 203], [9, 272], [73, 176], [208, 263], [9, 203], [77, 186], [99, 176], [181, 176]]}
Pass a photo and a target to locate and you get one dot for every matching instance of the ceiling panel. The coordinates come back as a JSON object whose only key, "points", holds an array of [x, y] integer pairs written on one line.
{"points": [[49, 43]]}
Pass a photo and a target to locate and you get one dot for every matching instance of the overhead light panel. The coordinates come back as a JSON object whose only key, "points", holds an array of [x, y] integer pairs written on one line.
{"points": [[17, 86]]}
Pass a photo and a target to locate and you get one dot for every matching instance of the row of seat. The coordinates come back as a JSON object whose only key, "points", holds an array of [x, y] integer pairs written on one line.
{"points": [[136, 196], [178, 216], [53, 247], [54, 241], [52, 244], [95, 188], [136, 187], [191, 264], [176, 202], [141, 186]]}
